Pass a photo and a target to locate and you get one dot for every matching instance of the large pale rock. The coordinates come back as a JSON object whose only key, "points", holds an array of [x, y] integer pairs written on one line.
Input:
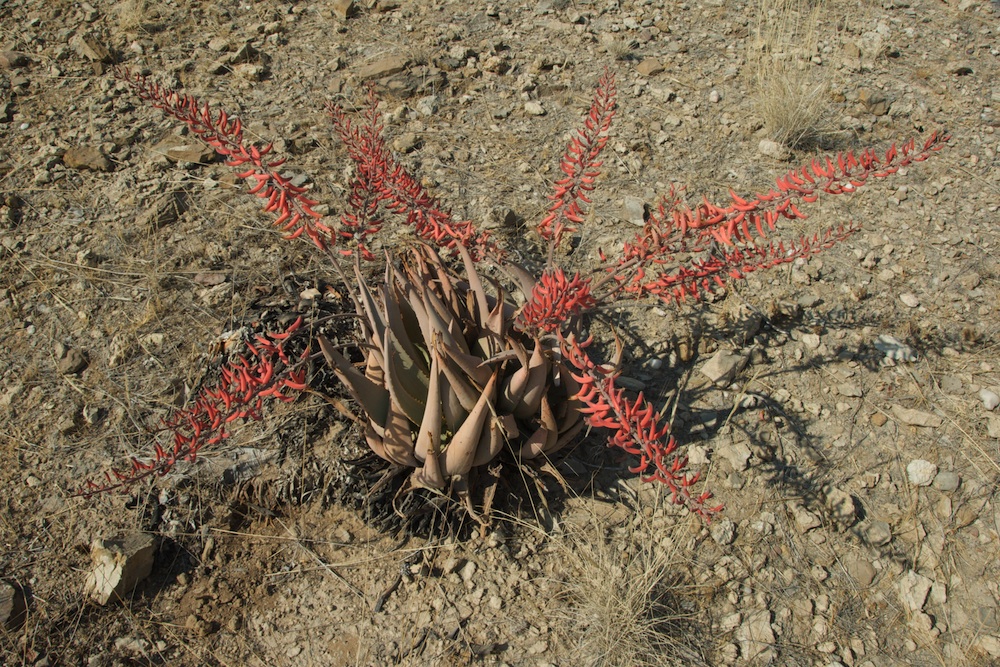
{"points": [[756, 637], [723, 367], [119, 564]]}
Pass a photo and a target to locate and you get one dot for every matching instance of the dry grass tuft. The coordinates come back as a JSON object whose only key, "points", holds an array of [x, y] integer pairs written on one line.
{"points": [[791, 94], [624, 602], [132, 14]]}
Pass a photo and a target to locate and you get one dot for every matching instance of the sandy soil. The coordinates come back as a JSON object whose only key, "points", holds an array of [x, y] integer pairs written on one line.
{"points": [[859, 473]]}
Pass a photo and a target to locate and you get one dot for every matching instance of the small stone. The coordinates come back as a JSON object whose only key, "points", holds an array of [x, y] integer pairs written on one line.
{"points": [[406, 142], [634, 211], [989, 398], [849, 389], [811, 341], [210, 279], [71, 362], [722, 368], [993, 426], [9, 59], [738, 455], [772, 148], [534, 108], [538, 647], [342, 8], [912, 417], [861, 570], [84, 157], [183, 149], [724, 532], [947, 481], [913, 590], [468, 571], [894, 349], [119, 565], [990, 645], [921, 472], [842, 506], [714, 97], [878, 419], [382, 68], [756, 636], [218, 44], [13, 606], [90, 47], [804, 519], [877, 533], [649, 67], [909, 300]]}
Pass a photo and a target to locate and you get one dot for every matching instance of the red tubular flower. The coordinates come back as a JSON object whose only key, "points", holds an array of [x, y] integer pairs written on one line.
{"points": [[636, 427], [293, 210], [381, 181], [238, 395], [580, 164], [555, 300]]}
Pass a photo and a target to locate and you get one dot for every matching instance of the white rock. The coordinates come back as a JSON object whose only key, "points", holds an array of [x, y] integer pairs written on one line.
{"points": [[811, 340], [989, 398], [894, 349], [842, 505], [989, 644], [921, 472], [913, 590], [804, 519], [912, 417], [756, 635], [773, 149], [119, 565], [738, 455], [909, 300], [724, 532], [534, 108], [723, 367]]}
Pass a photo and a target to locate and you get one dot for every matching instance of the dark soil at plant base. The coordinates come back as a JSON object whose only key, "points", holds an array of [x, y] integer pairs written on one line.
{"points": [[827, 552]]}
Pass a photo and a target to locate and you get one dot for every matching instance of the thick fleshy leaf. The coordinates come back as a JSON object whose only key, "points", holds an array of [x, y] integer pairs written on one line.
{"points": [[398, 440], [545, 437], [461, 451], [406, 383], [502, 429], [429, 432], [536, 384], [370, 310], [475, 284], [372, 398]]}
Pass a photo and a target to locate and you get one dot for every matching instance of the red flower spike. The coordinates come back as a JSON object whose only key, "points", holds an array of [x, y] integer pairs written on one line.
{"points": [[580, 164], [226, 137], [237, 395]]}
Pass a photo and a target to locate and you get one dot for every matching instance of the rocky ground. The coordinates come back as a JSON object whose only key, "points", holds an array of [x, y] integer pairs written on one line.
{"points": [[856, 448]]}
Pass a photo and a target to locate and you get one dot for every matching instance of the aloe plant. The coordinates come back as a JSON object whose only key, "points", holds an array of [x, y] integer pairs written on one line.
{"points": [[456, 377], [449, 382]]}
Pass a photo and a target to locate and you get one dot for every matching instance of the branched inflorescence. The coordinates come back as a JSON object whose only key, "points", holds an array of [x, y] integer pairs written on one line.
{"points": [[380, 181], [286, 200], [264, 371], [581, 165], [647, 265], [635, 427], [456, 375]]}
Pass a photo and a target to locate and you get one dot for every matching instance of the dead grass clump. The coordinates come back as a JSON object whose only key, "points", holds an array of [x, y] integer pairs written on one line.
{"points": [[624, 608], [791, 94], [131, 14]]}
